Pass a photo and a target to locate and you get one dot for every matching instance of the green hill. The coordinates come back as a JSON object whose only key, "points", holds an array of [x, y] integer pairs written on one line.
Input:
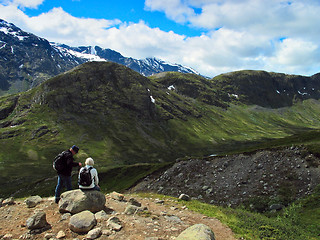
{"points": [[121, 118]]}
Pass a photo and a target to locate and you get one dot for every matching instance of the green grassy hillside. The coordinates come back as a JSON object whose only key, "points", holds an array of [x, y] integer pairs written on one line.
{"points": [[121, 118]]}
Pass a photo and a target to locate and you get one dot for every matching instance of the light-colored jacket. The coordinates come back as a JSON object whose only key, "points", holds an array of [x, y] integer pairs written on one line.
{"points": [[94, 176]]}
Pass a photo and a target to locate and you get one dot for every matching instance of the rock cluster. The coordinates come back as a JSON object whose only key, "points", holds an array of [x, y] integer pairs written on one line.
{"points": [[281, 175], [106, 223]]}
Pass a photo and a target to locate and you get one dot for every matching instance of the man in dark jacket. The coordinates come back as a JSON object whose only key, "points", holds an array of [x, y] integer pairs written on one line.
{"points": [[64, 175]]}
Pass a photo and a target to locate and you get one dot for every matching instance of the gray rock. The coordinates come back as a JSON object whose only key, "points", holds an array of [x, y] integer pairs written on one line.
{"points": [[94, 233], [173, 219], [49, 235], [37, 220], [114, 223], [8, 201], [26, 236], [7, 236], [184, 197], [276, 207], [198, 231], [76, 201], [117, 196], [132, 209], [101, 215], [33, 201], [134, 202], [61, 234], [65, 216], [82, 222]]}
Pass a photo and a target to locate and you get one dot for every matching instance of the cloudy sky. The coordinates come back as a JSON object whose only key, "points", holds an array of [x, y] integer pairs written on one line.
{"points": [[211, 36]]}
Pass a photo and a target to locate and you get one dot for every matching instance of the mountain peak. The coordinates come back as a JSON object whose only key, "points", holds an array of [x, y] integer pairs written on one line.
{"points": [[27, 60]]}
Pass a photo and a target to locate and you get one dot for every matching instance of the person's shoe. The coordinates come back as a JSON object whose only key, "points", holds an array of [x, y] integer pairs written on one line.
{"points": [[56, 200]]}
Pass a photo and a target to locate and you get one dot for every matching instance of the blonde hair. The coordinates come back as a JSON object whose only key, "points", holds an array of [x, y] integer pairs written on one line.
{"points": [[89, 161]]}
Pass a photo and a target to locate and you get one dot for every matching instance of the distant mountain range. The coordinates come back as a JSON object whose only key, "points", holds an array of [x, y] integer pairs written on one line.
{"points": [[27, 60]]}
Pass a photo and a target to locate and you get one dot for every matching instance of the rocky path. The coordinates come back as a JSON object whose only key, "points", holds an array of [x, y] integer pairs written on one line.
{"points": [[162, 220]]}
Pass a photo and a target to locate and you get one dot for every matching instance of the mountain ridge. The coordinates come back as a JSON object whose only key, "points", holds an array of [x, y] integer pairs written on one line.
{"points": [[27, 60]]}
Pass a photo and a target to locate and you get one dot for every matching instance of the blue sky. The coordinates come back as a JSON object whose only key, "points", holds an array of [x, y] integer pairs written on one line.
{"points": [[124, 10], [211, 36]]}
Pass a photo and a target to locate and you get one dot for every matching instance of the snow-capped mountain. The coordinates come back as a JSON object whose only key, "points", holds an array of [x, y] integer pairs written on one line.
{"points": [[27, 60], [146, 67]]}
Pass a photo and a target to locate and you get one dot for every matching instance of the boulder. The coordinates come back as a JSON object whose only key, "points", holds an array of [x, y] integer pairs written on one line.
{"points": [[76, 201], [37, 221], [82, 222], [33, 201], [197, 231]]}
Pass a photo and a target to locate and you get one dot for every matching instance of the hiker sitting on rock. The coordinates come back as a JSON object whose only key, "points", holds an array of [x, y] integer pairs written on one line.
{"points": [[88, 176]]}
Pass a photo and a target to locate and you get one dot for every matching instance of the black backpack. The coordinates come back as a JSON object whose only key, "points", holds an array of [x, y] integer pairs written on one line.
{"points": [[59, 162], [85, 178]]}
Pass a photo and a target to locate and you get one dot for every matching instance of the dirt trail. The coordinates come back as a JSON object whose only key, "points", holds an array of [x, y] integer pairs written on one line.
{"points": [[161, 221]]}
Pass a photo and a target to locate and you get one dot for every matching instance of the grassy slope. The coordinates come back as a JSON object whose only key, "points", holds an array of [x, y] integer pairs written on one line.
{"points": [[116, 124]]}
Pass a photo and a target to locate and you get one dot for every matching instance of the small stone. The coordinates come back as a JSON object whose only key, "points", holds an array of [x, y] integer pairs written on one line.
{"points": [[49, 235], [159, 201], [101, 215], [8, 201], [26, 236], [60, 235], [134, 202], [114, 223], [94, 233], [184, 197], [65, 216], [132, 209], [8, 236], [106, 232], [117, 196], [33, 201], [37, 221]]}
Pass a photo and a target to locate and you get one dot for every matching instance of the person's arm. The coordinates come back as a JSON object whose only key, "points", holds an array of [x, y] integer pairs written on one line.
{"points": [[71, 162], [96, 178]]}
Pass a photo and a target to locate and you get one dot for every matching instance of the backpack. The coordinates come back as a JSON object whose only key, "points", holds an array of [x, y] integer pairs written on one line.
{"points": [[85, 178], [59, 162]]}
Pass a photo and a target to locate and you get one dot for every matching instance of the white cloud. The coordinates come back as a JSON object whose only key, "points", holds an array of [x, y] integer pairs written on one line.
{"points": [[296, 54], [239, 34], [174, 9], [24, 3]]}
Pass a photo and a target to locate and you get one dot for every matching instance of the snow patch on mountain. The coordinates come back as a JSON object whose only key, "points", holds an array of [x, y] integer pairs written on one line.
{"points": [[69, 53]]}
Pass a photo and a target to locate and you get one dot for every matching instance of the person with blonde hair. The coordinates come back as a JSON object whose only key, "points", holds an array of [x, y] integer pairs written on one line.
{"points": [[88, 176]]}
